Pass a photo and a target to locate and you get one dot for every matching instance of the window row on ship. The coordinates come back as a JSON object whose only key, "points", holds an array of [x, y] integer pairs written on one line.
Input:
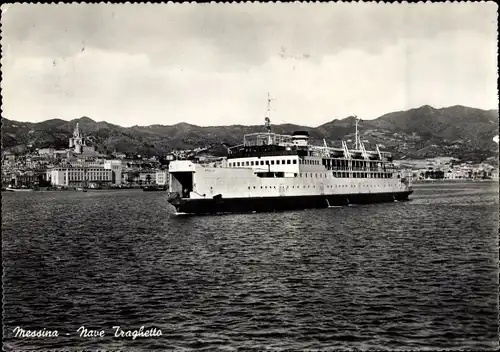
{"points": [[263, 162], [325, 186], [357, 165], [336, 174], [347, 174], [335, 164]]}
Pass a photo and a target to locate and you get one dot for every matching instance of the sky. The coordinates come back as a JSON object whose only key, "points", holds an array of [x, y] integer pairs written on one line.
{"points": [[214, 64]]}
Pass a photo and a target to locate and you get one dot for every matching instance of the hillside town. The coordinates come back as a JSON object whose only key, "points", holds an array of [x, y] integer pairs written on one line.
{"points": [[447, 169], [81, 166]]}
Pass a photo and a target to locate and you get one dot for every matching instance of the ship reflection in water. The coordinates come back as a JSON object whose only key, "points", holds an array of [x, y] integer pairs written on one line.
{"points": [[420, 274]]}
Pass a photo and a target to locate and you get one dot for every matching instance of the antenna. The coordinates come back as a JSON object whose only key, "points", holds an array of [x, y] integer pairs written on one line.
{"points": [[356, 141], [268, 117]]}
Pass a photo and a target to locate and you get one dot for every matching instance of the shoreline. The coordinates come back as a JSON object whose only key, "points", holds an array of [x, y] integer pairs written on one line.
{"points": [[420, 182], [143, 188], [71, 190]]}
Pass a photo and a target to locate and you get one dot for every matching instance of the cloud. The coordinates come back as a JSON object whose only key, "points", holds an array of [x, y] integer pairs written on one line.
{"points": [[214, 64], [250, 32]]}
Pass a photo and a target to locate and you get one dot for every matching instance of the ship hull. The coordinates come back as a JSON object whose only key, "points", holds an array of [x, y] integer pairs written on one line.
{"points": [[270, 204]]}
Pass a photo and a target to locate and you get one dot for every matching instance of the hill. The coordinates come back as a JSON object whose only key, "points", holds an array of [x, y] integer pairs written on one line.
{"points": [[457, 131]]}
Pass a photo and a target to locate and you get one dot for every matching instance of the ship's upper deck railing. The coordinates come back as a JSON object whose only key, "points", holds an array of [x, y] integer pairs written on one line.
{"points": [[269, 139], [329, 151], [257, 139]]}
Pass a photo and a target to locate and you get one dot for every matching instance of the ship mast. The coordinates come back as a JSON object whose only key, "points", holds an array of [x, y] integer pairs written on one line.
{"points": [[268, 114], [268, 118], [356, 142]]}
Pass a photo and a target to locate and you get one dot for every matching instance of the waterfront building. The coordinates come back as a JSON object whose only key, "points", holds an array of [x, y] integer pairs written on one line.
{"points": [[116, 168], [494, 175], [147, 177], [7, 179], [23, 178], [409, 174], [455, 174], [80, 176], [161, 177]]}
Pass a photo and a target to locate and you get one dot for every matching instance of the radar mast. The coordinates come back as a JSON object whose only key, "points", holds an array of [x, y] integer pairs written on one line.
{"points": [[357, 142], [268, 114]]}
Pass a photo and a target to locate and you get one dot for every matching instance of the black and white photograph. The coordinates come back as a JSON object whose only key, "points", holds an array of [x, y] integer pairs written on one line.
{"points": [[250, 176]]}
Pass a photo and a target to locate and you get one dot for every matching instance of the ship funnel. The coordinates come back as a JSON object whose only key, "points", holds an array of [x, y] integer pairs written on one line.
{"points": [[300, 137]]}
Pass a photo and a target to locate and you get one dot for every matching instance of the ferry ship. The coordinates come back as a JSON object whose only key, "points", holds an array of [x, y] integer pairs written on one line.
{"points": [[275, 172]]}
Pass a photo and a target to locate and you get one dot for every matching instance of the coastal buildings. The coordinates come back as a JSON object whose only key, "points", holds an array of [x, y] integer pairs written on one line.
{"points": [[162, 177], [147, 177], [456, 175], [79, 165], [79, 176], [81, 173], [494, 175], [446, 168], [116, 168], [23, 179]]}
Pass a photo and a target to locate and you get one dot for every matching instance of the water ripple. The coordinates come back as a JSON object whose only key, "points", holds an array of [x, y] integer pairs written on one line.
{"points": [[411, 275]]}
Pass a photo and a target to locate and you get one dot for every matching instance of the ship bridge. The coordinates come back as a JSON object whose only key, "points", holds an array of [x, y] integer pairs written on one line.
{"points": [[262, 138], [268, 144]]}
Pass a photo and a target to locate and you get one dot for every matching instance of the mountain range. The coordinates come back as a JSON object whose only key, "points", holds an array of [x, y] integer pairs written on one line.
{"points": [[423, 132]]}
